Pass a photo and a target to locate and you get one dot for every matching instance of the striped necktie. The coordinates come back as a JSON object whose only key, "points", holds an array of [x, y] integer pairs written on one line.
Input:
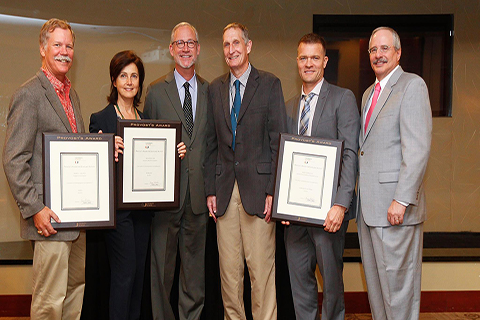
{"points": [[304, 117]]}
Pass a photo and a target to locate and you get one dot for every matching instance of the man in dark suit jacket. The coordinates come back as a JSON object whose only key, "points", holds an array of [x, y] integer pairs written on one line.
{"points": [[246, 113], [326, 111], [46, 103], [170, 98], [394, 148]]}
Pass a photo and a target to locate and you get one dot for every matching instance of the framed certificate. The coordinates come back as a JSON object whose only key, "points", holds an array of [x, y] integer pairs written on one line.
{"points": [[308, 170], [149, 169], [79, 179]]}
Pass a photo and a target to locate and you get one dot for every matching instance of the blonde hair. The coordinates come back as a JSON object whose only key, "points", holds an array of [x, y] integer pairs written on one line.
{"points": [[50, 26]]}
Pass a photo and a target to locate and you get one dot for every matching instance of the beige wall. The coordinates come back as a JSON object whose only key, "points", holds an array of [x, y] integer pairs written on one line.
{"points": [[105, 27], [453, 190]]}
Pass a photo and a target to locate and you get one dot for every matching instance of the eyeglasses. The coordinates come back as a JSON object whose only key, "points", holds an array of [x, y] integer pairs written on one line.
{"points": [[383, 49], [190, 43]]}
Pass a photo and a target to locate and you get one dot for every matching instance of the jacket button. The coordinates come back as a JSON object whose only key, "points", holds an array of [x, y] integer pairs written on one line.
{"points": [[236, 163], [361, 153]]}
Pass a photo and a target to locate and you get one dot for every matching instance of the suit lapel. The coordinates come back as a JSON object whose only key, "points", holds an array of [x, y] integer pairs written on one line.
{"points": [[172, 94], [380, 104], [251, 87], [54, 100], [382, 100], [77, 112], [362, 113], [201, 105], [294, 115], [224, 93], [322, 97]]}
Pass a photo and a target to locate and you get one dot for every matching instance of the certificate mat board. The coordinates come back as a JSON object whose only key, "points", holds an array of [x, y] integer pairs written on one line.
{"points": [[79, 179], [149, 169], [308, 169]]}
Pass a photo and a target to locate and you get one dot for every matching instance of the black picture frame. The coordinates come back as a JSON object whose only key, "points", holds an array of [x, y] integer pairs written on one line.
{"points": [[79, 180], [163, 135], [308, 171]]}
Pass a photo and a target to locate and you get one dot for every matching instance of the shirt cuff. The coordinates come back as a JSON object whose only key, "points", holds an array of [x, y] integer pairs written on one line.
{"points": [[402, 203]]}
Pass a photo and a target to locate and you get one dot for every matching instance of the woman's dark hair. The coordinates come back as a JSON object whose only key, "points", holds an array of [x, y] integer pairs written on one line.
{"points": [[120, 61]]}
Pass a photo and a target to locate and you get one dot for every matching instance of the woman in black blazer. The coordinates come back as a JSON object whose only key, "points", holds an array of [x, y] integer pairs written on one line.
{"points": [[127, 245]]}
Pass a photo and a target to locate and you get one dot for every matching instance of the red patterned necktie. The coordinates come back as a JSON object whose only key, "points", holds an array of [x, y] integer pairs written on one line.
{"points": [[374, 102]]}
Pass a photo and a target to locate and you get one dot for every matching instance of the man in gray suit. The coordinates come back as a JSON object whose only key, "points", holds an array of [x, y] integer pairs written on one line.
{"points": [[246, 113], [394, 147], [181, 95], [46, 103], [326, 111]]}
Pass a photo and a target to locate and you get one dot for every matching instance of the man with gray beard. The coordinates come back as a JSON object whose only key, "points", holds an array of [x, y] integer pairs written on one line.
{"points": [[181, 95], [46, 103]]}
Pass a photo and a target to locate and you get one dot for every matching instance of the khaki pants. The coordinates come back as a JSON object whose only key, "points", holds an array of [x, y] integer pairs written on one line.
{"points": [[58, 279], [240, 237]]}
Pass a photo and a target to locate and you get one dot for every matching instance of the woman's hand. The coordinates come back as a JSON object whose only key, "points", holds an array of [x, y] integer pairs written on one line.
{"points": [[182, 149], [118, 145]]}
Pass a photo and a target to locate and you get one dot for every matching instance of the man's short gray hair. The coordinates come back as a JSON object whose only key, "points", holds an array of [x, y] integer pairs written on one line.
{"points": [[396, 37], [240, 26], [183, 24]]}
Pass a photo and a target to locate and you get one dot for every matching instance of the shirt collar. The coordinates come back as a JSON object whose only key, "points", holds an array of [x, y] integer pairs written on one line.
{"points": [[180, 81], [315, 90], [243, 78], [57, 84], [384, 81]]}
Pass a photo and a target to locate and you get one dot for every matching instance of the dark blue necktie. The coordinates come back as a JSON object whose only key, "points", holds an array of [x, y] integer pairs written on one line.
{"points": [[235, 110]]}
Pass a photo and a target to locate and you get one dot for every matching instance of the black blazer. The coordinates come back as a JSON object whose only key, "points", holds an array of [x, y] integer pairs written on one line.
{"points": [[262, 117], [106, 120]]}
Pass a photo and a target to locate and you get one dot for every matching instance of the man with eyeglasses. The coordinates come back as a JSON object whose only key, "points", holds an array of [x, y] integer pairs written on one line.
{"points": [[394, 147], [181, 95]]}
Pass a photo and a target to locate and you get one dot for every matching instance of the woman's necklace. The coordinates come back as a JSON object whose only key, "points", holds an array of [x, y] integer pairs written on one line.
{"points": [[121, 114]]}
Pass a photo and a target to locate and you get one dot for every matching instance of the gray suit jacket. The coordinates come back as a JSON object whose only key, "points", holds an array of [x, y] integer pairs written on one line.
{"points": [[394, 150], [34, 109], [336, 117], [253, 164], [163, 102]]}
